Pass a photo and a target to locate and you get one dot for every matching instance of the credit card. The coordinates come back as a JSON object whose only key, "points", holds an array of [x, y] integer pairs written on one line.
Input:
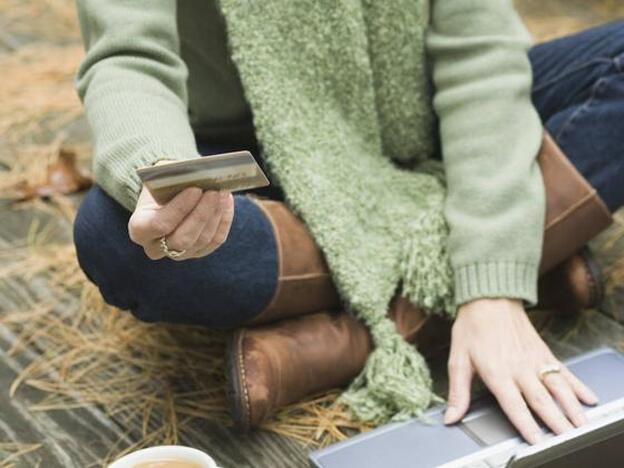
{"points": [[228, 171]]}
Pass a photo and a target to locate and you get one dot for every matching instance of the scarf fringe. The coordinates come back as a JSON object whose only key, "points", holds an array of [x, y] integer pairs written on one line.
{"points": [[395, 384], [425, 270]]}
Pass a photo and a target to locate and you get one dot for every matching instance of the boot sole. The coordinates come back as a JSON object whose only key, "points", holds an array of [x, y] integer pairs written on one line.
{"points": [[236, 394]]}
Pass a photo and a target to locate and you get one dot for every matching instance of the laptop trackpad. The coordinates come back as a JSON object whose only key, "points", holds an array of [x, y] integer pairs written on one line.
{"points": [[489, 427]]}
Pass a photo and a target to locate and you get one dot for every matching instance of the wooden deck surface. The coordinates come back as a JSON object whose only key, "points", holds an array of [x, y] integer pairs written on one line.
{"points": [[80, 437]]}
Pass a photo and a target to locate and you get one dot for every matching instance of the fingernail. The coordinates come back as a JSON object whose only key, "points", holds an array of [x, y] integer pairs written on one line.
{"points": [[580, 419], [593, 398], [450, 415], [536, 438]]}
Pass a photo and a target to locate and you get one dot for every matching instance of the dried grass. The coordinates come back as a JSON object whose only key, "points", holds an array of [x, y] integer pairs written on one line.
{"points": [[38, 97], [29, 170], [49, 20], [37, 94], [544, 29], [614, 272], [555, 18], [10, 452], [153, 379], [38, 101]]}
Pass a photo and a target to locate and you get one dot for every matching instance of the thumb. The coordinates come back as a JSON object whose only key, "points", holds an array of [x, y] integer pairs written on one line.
{"points": [[460, 377]]}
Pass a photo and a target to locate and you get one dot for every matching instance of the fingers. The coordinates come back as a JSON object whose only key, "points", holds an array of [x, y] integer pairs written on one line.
{"points": [[219, 237], [214, 232], [203, 219], [541, 401], [171, 214], [150, 222], [193, 221], [581, 390], [513, 405], [153, 250], [508, 354], [563, 393], [460, 376]]}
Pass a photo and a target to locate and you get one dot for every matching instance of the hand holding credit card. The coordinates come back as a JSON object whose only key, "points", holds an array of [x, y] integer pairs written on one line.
{"points": [[228, 171]]}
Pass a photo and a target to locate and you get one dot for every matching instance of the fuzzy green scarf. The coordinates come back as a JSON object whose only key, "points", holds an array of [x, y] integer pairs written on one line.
{"points": [[339, 95]]}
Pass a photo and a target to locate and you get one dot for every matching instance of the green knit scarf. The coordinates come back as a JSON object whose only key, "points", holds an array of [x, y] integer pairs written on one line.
{"points": [[339, 94]]}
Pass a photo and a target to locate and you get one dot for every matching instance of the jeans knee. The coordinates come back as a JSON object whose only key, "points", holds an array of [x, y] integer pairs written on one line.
{"points": [[222, 290], [99, 231]]}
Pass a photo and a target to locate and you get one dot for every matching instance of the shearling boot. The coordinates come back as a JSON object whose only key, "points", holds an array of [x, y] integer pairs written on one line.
{"points": [[276, 364]]}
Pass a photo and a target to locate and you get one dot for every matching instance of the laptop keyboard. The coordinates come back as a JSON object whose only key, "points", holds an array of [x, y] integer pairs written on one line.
{"points": [[605, 410], [501, 458], [499, 454]]}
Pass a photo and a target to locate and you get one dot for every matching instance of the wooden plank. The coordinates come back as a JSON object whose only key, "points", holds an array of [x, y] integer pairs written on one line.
{"points": [[75, 438], [79, 437]]}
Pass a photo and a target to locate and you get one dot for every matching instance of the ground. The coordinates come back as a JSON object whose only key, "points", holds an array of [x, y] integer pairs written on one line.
{"points": [[80, 382]]}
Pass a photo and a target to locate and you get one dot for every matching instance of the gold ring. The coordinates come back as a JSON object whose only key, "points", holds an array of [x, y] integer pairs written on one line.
{"points": [[172, 254], [549, 369]]}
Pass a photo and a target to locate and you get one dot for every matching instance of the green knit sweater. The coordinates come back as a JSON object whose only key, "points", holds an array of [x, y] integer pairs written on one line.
{"points": [[156, 70]]}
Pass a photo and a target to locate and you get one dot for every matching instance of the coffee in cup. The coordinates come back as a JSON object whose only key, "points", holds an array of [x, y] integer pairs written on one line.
{"points": [[165, 456], [167, 463]]}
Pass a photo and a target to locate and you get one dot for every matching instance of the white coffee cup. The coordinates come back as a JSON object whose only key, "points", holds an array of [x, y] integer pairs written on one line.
{"points": [[165, 451]]}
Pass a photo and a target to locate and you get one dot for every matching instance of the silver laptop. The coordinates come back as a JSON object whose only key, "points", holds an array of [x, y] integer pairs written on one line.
{"points": [[485, 439]]}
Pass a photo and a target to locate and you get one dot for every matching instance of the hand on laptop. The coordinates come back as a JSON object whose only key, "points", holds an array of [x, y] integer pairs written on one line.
{"points": [[193, 222], [495, 339]]}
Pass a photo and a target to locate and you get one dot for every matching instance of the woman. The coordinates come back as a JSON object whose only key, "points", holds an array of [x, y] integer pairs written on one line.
{"points": [[159, 78]]}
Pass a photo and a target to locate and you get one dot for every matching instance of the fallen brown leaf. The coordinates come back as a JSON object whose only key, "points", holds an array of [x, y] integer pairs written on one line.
{"points": [[63, 176]]}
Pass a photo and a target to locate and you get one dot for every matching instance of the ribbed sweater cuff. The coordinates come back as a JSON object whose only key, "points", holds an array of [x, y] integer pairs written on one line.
{"points": [[514, 280], [123, 170], [134, 129]]}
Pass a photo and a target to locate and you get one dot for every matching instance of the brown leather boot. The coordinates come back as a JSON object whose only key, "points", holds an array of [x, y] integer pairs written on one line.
{"points": [[277, 364], [571, 280], [304, 283], [273, 365], [575, 212], [575, 284]]}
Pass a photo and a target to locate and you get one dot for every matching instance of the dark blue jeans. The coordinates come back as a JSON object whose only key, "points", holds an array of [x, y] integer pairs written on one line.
{"points": [[578, 91]]}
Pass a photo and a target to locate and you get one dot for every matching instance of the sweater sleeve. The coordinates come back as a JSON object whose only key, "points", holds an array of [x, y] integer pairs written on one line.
{"points": [[133, 86], [490, 136]]}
